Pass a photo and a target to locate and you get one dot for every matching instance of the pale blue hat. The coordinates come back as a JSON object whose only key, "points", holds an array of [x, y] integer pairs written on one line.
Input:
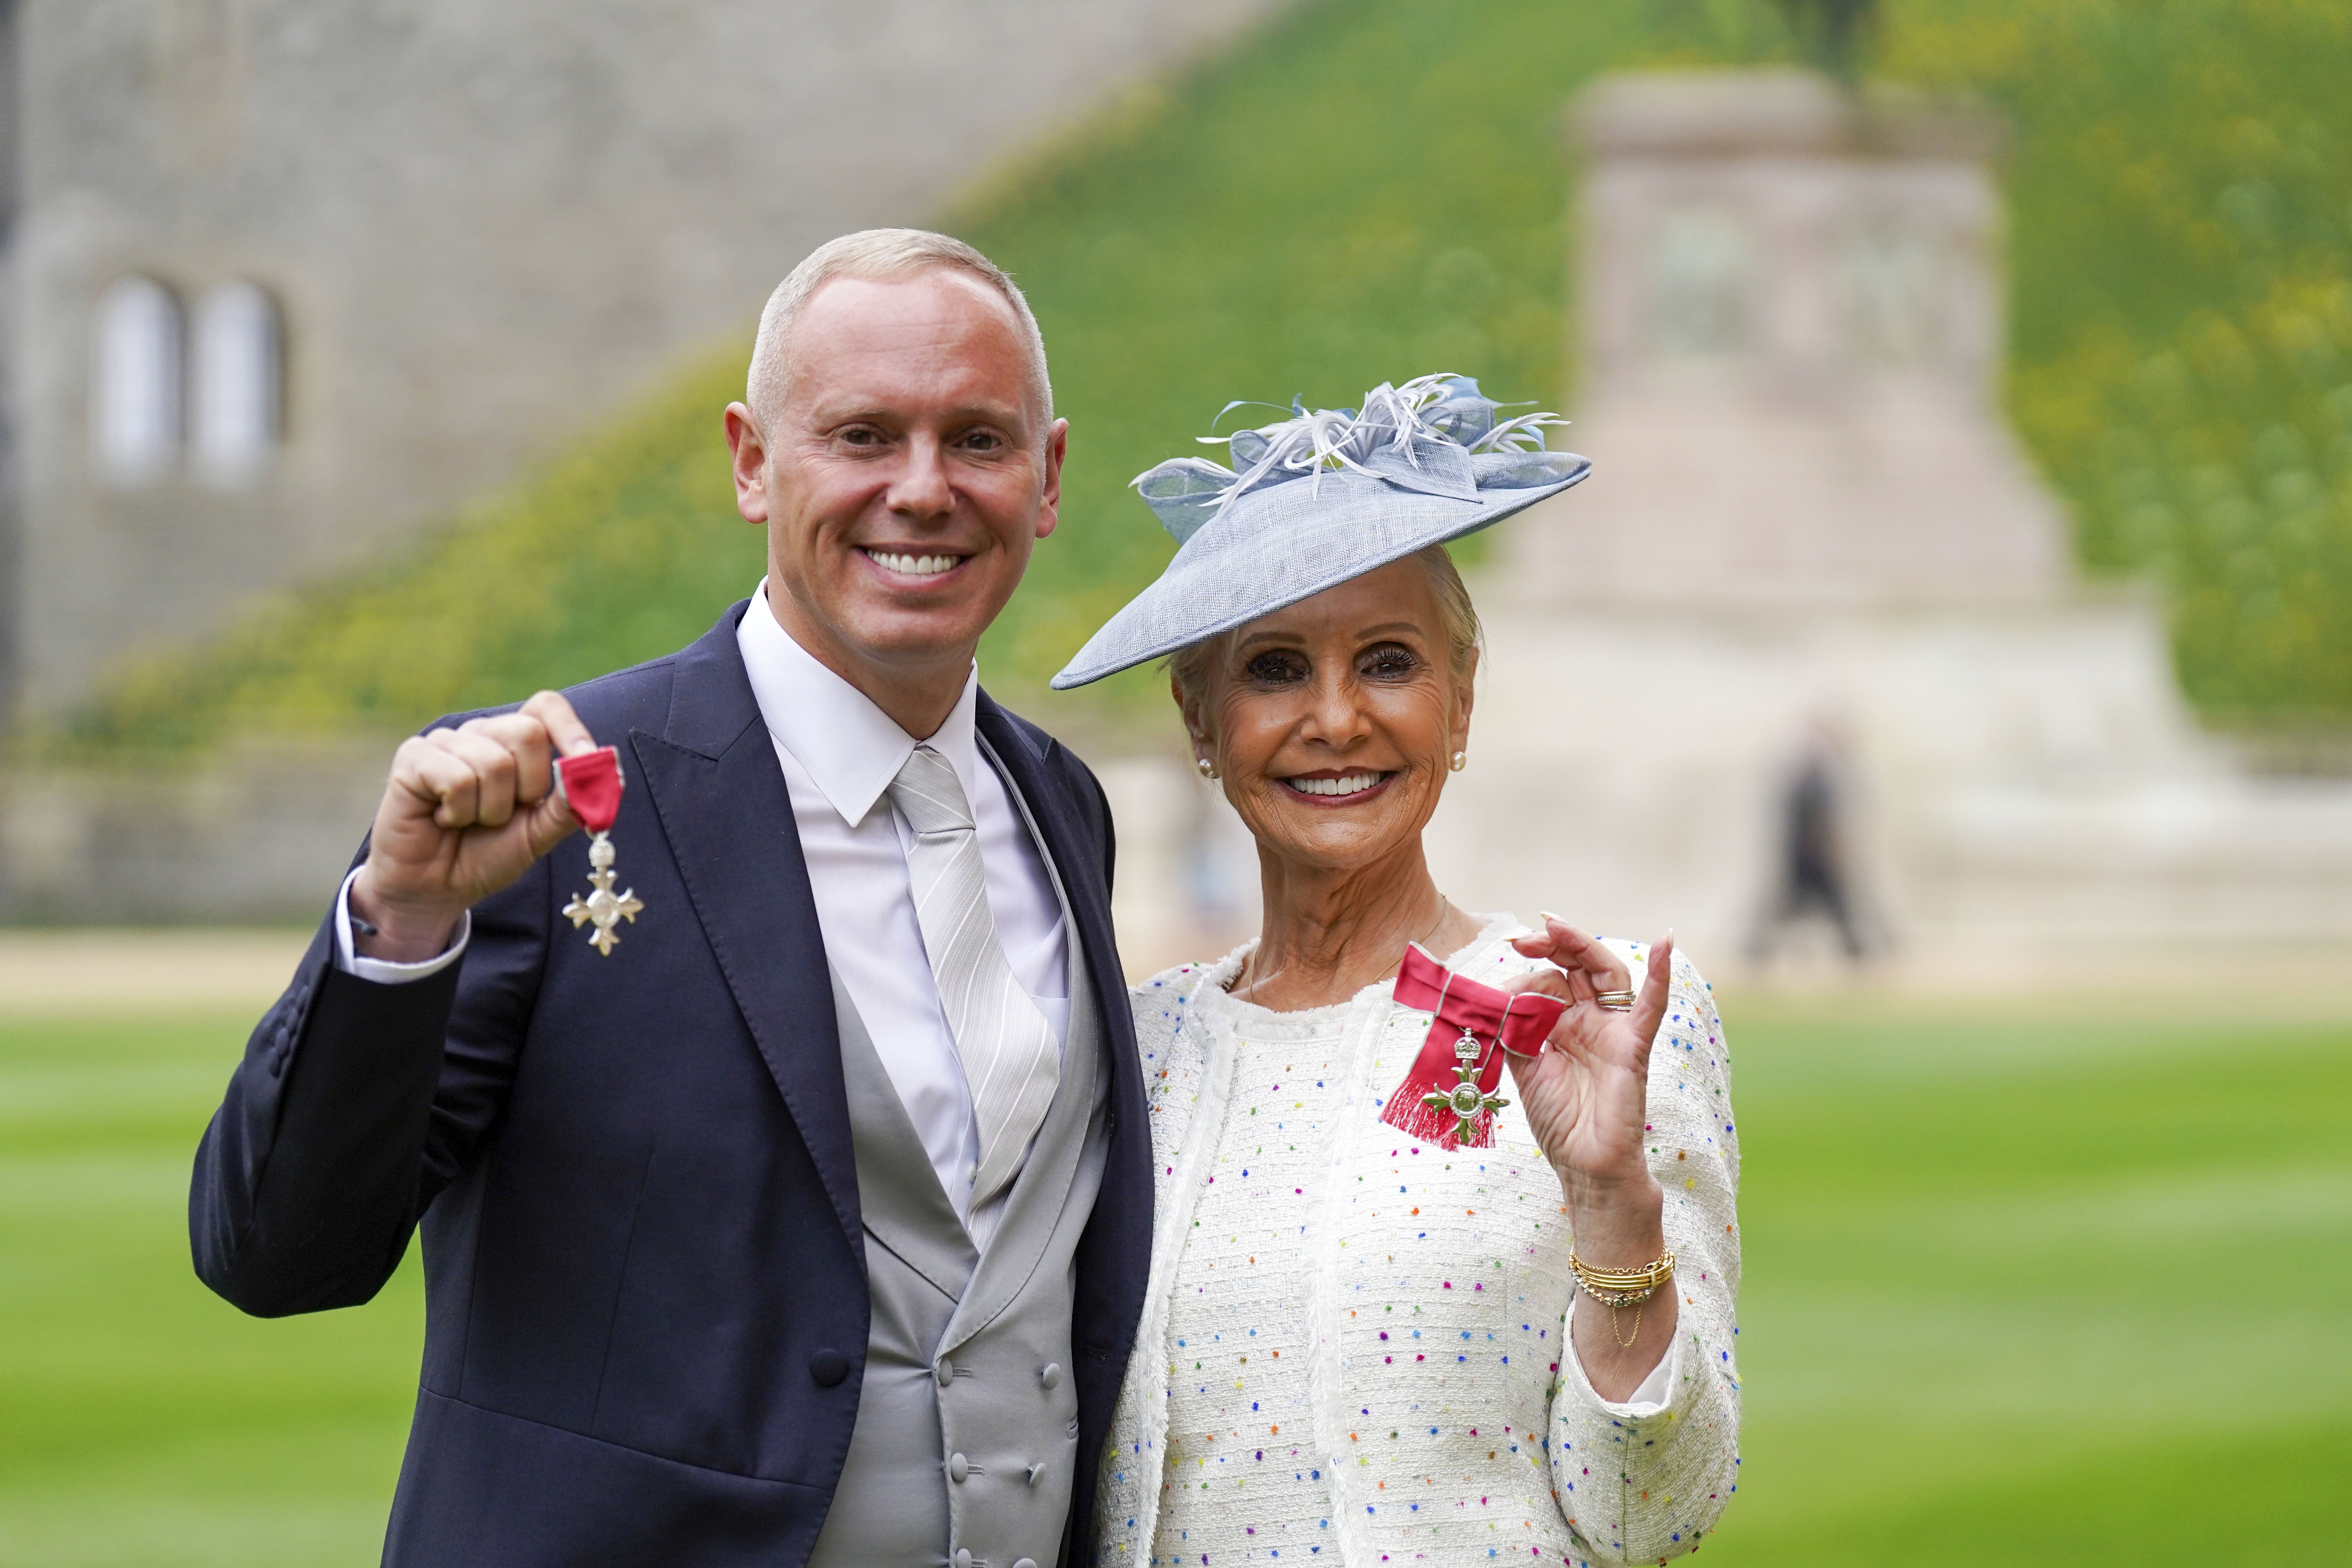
{"points": [[1321, 498]]}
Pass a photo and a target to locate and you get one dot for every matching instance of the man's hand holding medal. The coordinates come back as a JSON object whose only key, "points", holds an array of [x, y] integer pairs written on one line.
{"points": [[467, 811]]}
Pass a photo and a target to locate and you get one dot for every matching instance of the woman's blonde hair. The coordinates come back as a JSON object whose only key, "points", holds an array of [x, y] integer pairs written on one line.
{"points": [[1457, 618]]}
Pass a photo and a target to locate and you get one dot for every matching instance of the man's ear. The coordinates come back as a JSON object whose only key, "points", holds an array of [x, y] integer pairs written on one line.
{"points": [[1058, 447], [748, 444]]}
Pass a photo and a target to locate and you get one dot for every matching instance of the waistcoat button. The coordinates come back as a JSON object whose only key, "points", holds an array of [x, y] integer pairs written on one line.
{"points": [[1026, 1562], [957, 1467], [1053, 1374], [828, 1367], [943, 1373], [963, 1558]]}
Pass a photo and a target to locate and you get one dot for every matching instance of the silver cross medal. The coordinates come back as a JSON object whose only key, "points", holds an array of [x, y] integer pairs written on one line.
{"points": [[603, 908], [591, 784], [1465, 1099]]}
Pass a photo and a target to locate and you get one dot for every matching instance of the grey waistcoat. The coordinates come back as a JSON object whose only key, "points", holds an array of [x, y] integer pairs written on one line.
{"points": [[967, 1431]]}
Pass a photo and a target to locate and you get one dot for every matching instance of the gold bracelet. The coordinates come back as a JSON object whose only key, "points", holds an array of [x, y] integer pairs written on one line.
{"points": [[1622, 1286], [1615, 1288]]}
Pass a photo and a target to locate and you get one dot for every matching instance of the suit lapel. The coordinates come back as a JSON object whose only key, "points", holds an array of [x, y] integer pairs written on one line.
{"points": [[715, 782], [1076, 858]]}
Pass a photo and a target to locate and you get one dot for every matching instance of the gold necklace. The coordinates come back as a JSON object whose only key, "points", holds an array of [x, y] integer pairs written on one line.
{"points": [[1239, 991]]}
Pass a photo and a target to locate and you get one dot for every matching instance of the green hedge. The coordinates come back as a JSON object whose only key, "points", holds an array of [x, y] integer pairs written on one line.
{"points": [[2182, 344], [1370, 189]]}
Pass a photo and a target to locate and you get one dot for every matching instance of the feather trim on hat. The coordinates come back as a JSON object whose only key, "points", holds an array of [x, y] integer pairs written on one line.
{"points": [[1320, 498], [1429, 421]]}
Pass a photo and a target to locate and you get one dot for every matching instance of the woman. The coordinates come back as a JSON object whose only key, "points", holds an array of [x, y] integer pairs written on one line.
{"points": [[1352, 1345]]}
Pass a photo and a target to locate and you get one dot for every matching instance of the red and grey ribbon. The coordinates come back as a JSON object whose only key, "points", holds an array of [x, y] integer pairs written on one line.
{"points": [[590, 782], [1518, 1022]]}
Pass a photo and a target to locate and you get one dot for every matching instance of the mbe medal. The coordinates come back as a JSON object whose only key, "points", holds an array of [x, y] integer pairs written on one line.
{"points": [[591, 784], [1448, 1095], [1467, 1100]]}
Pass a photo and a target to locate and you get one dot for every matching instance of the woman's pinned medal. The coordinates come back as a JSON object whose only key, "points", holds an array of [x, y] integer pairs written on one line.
{"points": [[1448, 1098]]}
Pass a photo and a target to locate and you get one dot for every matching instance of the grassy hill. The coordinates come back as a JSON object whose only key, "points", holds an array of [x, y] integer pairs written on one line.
{"points": [[1373, 188]]}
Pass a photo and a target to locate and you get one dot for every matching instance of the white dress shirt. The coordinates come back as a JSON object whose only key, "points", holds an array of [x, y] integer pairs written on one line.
{"points": [[839, 753]]}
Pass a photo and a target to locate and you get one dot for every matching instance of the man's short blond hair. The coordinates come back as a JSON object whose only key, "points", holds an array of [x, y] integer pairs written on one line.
{"points": [[878, 255]]}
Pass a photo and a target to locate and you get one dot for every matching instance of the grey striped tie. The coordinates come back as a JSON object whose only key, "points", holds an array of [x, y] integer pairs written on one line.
{"points": [[1011, 1060]]}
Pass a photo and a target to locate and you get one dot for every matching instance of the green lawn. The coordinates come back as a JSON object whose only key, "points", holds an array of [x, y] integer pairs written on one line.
{"points": [[1985, 1317], [142, 1420], [1979, 1323]]}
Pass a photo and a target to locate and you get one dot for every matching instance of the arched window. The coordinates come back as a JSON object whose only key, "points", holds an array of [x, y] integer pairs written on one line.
{"points": [[238, 392], [135, 404]]}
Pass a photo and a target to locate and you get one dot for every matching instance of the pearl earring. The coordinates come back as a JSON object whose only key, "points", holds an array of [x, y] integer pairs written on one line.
{"points": [[1461, 760], [1207, 769]]}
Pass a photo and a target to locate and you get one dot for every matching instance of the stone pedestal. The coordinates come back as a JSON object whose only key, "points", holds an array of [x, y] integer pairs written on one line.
{"points": [[1810, 540], [1791, 313]]}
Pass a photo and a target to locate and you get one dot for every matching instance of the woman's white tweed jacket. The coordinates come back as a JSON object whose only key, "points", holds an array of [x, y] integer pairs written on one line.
{"points": [[1432, 1461]]}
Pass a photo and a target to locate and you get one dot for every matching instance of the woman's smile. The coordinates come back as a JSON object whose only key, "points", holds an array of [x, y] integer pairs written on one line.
{"points": [[1332, 787]]}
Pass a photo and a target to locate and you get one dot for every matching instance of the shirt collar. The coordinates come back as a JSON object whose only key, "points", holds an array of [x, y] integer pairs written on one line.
{"points": [[849, 747]]}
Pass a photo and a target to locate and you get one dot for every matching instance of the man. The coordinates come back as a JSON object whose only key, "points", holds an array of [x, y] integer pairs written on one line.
{"points": [[810, 1222], [1813, 862]]}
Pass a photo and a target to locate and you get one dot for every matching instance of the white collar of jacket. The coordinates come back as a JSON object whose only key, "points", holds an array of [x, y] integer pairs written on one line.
{"points": [[851, 748]]}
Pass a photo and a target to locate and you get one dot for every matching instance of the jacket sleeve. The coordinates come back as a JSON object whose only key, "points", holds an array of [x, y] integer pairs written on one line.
{"points": [[1643, 1483], [354, 1104]]}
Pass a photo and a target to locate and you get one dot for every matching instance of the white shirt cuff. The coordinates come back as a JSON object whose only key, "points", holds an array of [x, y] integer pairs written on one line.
{"points": [[383, 970], [1657, 1390]]}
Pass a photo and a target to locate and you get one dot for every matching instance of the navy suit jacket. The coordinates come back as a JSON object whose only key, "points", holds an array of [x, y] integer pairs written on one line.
{"points": [[645, 1294]]}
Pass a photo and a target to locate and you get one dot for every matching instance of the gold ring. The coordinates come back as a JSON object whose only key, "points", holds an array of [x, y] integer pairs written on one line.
{"points": [[1616, 1001]]}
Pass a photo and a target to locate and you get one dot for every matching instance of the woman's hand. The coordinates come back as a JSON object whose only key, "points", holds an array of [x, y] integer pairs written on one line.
{"points": [[1587, 1099], [1587, 1094]]}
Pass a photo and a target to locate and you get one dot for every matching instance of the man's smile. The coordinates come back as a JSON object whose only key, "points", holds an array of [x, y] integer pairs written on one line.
{"points": [[911, 564]]}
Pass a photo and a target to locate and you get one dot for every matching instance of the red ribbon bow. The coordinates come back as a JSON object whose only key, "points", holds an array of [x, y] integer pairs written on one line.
{"points": [[1485, 1017], [591, 782]]}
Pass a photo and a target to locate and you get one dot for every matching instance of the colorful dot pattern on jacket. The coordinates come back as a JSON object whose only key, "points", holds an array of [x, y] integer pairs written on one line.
{"points": [[1362, 1335]]}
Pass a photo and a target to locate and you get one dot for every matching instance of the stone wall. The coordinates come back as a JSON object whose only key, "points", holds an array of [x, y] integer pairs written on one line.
{"points": [[259, 835], [480, 225]]}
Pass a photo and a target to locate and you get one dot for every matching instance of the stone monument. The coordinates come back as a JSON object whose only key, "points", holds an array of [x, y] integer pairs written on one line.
{"points": [[1814, 607]]}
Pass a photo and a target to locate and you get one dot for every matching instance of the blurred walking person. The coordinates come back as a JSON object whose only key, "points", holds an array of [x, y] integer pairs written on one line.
{"points": [[1813, 866]]}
